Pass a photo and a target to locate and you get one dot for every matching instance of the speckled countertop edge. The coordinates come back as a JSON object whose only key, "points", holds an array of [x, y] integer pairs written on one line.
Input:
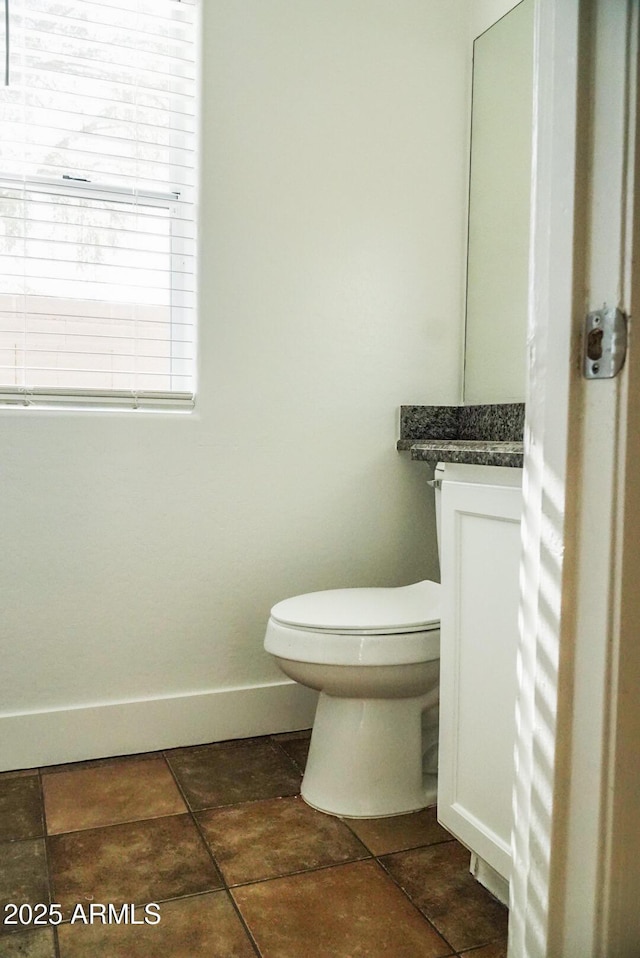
{"points": [[472, 452]]}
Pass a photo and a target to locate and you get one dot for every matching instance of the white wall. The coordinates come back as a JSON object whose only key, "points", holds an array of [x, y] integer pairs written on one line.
{"points": [[141, 553], [484, 13]]}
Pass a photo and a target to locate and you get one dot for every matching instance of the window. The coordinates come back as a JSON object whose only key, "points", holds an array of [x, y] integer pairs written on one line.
{"points": [[97, 190]]}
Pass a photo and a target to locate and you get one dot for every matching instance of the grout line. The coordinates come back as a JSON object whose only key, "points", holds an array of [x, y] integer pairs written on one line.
{"points": [[414, 848], [420, 912], [281, 748], [248, 931], [241, 919], [128, 821], [347, 822], [300, 871], [45, 832], [356, 836], [472, 949], [211, 855]]}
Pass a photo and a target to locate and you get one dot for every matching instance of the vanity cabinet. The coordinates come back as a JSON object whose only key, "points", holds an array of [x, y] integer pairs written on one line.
{"points": [[480, 557]]}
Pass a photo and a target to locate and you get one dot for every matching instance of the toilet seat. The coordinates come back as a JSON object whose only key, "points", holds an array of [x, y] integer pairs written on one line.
{"points": [[369, 611], [398, 626]]}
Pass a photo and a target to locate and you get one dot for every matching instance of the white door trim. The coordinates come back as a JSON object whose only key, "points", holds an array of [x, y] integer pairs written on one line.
{"points": [[578, 730]]}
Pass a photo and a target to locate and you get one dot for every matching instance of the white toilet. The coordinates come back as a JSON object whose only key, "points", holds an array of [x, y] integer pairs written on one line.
{"points": [[373, 654]]}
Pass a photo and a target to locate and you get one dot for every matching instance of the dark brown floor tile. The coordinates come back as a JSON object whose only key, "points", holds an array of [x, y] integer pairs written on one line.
{"points": [[300, 735], [225, 743], [29, 944], [340, 912], [496, 950], [206, 925], [108, 794], [20, 808], [213, 775], [437, 879], [23, 878], [98, 762], [399, 832], [296, 745], [268, 839], [18, 773], [138, 862]]}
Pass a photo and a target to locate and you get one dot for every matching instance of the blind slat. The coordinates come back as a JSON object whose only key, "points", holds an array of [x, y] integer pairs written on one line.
{"points": [[122, 72], [32, 83], [134, 125], [120, 150], [49, 108]]}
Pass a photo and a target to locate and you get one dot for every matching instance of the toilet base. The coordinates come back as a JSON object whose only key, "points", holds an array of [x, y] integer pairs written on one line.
{"points": [[365, 757]]}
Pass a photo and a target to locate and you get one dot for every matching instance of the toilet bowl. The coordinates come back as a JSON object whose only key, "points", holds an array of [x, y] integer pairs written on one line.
{"points": [[373, 654]]}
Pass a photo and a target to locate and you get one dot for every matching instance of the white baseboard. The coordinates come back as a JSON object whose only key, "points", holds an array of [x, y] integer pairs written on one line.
{"points": [[31, 739], [490, 878]]}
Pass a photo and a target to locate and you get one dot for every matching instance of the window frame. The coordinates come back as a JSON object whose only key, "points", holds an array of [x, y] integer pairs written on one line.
{"points": [[180, 207]]}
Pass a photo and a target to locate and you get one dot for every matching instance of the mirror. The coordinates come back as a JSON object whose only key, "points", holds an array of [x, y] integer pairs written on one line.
{"points": [[499, 210]]}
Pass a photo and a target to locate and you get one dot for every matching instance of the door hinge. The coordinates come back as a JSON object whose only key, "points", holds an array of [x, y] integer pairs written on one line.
{"points": [[605, 343]]}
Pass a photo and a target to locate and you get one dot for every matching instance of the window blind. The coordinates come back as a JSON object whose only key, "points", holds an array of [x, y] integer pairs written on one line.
{"points": [[97, 191]]}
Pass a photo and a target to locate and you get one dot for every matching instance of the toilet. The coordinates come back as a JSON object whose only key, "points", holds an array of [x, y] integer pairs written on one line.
{"points": [[373, 654]]}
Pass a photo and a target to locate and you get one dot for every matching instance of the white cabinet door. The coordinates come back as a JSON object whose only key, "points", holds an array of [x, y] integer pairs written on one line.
{"points": [[479, 637]]}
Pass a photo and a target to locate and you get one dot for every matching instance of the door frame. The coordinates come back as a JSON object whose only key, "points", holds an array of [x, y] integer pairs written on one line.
{"points": [[576, 847]]}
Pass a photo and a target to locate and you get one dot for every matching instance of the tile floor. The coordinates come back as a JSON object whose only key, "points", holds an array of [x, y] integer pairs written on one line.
{"points": [[239, 866]]}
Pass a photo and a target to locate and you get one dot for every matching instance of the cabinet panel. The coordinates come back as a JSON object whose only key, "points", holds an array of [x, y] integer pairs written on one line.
{"points": [[479, 638]]}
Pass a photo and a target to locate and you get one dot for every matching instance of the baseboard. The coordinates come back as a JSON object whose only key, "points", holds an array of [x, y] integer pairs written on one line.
{"points": [[492, 880], [31, 739]]}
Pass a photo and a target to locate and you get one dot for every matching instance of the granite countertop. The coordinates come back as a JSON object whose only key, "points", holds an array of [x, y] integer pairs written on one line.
{"points": [[488, 435]]}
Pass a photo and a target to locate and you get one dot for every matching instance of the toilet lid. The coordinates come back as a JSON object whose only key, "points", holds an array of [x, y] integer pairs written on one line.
{"points": [[409, 608]]}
